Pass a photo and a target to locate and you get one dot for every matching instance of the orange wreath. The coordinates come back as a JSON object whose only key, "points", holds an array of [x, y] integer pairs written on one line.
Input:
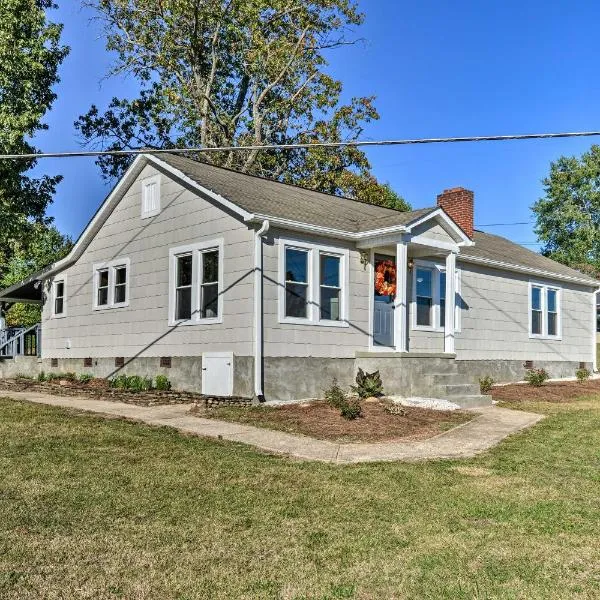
{"points": [[385, 278]]}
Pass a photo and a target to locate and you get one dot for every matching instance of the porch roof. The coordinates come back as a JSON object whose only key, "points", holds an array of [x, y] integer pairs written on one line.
{"points": [[28, 290]]}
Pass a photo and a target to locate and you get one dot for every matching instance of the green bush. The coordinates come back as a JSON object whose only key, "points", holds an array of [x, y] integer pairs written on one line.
{"points": [[85, 378], [485, 384], [135, 383], [336, 398], [42, 376], [582, 374], [536, 377], [161, 382], [368, 384], [70, 376], [53, 376]]}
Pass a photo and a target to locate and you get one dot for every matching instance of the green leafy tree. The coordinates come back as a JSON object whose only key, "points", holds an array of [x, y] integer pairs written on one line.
{"points": [[39, 246], [568, 216], [30, 54], [216, 73]]}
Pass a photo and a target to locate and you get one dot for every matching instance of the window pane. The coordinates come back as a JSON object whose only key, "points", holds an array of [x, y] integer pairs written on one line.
{"points": [[442, 286], [330, 270], [330, 304], [296, 265], [210, 301], [103, 278], [536, 322], [442, 312], [184, 270], [552, 300], [183, 305], [210, 266], [58, 306], [552, 324], [423, 311], [60, 289], [424, 282], [120, 275], [102, 296], [120, 293], [295, 300], [536, 298]]}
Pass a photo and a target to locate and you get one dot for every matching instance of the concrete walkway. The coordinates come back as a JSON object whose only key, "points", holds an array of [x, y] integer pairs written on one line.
{"points": [[490, 426]]}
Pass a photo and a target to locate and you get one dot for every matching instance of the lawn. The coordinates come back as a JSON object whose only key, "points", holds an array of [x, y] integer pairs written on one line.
{"points": [[95, 508], [319, 420]]}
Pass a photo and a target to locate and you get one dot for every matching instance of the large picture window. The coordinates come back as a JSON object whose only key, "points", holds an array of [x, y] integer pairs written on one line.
{"points": [[313, 284], [196, 279], [111, 284], [544, 311]]}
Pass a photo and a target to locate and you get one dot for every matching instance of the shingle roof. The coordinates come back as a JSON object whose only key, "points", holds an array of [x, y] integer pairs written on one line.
{"points": [[270, 198], [496, 248]]}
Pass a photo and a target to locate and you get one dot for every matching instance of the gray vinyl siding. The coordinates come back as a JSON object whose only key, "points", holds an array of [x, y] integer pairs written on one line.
{"points": [[142, 327], [286, 339], [495, 319], [434, 232]]}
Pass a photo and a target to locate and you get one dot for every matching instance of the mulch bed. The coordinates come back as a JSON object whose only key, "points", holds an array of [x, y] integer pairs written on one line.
{"points": [[100, 390], [317, 419], [551, 391]]}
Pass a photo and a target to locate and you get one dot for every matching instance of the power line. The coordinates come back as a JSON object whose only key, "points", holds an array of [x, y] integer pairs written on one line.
{"points": [[505, 224], [352, 144]]}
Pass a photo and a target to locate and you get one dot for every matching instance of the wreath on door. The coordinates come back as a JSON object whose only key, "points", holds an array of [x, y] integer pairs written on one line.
{"points": [[385, 278]]}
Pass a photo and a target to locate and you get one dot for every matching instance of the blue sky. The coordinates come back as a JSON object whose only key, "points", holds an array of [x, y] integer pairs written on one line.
{"points": [[437, 69]]}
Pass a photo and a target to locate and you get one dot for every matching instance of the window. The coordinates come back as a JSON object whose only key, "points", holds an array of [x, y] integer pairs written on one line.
{"points": [[330, 287], [313, 284], [150, 196], [59, 305], [296, 283], [424, 280], [111, 284], [196, 277], [544, 311], [429, 297]]}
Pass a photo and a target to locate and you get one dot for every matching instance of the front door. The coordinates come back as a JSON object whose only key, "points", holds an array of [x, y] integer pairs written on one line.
{"points": [[384, 292]]}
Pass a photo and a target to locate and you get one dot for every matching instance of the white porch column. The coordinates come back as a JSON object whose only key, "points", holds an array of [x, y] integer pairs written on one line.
{"points": [[400, 302], [450, 302]]}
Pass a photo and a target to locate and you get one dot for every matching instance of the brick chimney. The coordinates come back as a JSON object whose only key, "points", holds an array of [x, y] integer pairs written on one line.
{"points": [[458, 204]]}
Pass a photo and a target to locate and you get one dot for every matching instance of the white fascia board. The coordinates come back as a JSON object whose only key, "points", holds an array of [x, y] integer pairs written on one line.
{"points": [[527, 270], [297, 226], [440, 215]]}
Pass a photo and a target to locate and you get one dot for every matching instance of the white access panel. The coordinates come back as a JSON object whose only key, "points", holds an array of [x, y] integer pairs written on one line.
{"points": [[217, 373]]}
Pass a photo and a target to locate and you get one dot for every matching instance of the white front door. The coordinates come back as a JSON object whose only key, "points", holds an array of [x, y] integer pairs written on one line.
{"points": [[217, 373]]}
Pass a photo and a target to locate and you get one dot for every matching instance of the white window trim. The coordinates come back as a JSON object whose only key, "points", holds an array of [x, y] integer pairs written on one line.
{"points": [[155, 179], [62, 279], [435, 326], [111, 266], [195, 250], [544, 298], [314, 281]]}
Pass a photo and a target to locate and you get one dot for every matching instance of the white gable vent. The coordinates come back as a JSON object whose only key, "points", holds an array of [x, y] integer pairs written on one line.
{"points": [[150, 196]]}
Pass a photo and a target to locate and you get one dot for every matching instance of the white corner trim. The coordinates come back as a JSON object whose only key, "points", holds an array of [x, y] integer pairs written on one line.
{"points": [[144, 183], [594, 335], [111, 265], [195, 250], [53, 315], [259, 309]]}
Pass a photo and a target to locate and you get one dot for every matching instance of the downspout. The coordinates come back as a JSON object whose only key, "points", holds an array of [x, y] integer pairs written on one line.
{"points": [[258, 311]]}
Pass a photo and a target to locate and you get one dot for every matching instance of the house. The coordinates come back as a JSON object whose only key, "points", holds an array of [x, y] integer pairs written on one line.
{"points": [[237, 285]]}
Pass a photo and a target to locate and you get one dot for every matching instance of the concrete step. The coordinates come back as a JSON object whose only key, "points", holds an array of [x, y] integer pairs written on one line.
{"points": [[471, 400], [447, 378], [461, 389]]}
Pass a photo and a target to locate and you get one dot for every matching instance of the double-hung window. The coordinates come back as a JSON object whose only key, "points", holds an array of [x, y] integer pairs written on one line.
{"points": [[544, 311], [313, 284], [196, 279], [111, 284], [59, 307]]}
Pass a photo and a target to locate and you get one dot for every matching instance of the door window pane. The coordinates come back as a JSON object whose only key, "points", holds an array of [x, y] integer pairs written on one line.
{"points": [[424, 295], [296, 283]]}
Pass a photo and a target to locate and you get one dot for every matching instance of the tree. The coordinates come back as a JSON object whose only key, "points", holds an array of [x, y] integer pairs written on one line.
{"points": [[30, 54], [217, 73], [568, 216], [39, 247]]}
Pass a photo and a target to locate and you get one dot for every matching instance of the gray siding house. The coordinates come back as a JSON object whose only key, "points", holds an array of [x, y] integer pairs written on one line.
{"points": [[232, 284]]}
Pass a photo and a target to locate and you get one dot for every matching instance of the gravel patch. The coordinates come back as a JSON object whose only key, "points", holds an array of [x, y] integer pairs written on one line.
{"points": [[430, 403]]}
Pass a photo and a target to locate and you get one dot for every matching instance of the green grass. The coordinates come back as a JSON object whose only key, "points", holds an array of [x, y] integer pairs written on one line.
{"points": [[94, 508]]}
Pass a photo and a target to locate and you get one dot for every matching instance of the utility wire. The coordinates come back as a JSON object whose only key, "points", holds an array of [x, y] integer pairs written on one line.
{"points": [[504, 224], [351, 144]]}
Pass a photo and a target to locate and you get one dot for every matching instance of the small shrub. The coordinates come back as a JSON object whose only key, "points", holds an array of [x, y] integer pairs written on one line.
{"points": [[53, 376], [70, 376], [161, 382], [582, 375], [368, 384], [336, 398], [536, 377], [485, 384], [119, 382], [42, 377], [85, 378]]}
